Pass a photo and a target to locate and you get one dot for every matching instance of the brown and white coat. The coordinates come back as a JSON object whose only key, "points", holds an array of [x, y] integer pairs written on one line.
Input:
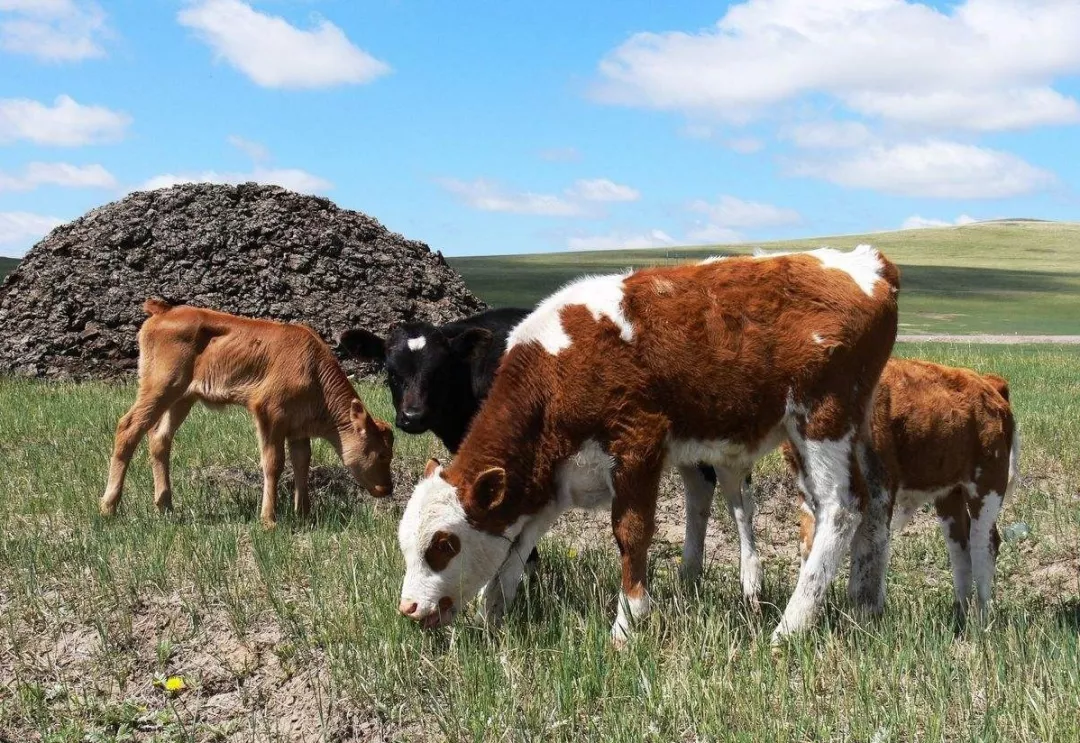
{"points": [[615, 377], [946, 436]]}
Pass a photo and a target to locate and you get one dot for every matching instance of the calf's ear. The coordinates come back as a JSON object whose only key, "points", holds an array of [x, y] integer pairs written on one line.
{"points": [[471, 344], [488, 489], [432, 467], [358, 343], [360, 417]]}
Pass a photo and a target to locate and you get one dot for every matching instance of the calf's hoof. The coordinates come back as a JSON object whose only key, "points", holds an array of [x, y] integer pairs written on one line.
{"points": [[107, 509]]}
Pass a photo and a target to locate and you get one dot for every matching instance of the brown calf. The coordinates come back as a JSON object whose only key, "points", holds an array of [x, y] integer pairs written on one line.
{"points": [[946, 436], [283, 374], [615, 377]]}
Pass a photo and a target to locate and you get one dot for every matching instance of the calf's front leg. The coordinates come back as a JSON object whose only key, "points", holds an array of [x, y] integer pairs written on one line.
{"points": [[497, 596], [272, 447], [633, 520]]}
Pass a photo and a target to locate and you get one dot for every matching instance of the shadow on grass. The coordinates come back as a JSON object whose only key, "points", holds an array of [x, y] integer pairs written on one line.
{"points": [[1068, 615], [230, 494]]}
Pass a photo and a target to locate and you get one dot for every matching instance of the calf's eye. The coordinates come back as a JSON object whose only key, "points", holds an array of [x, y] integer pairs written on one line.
{"points": [[441, 550]]}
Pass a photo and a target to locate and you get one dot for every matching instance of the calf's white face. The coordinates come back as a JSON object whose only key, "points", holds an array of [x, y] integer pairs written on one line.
{"points": [[447, 560]]}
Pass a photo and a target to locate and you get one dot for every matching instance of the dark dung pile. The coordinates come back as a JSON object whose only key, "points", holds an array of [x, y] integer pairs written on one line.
{"points": [[74, 305]]}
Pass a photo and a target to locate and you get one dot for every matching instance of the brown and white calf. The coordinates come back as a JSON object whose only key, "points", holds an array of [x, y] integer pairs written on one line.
{"points": [[945, 436], [285, 376], [614, 377]]}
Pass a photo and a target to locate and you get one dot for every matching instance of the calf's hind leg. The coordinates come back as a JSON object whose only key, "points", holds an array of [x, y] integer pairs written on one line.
{"points": [[828, 464], [872, 541], [161, 439], [300, 454], [150, 404], [953, 517], [698, 486]]}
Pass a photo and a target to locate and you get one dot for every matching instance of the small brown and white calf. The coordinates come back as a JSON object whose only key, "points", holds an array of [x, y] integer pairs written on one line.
{"points": [[945, 436], [614, 377], [285, 376]]}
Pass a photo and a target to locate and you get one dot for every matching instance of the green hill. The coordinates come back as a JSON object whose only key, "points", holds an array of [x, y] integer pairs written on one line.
{"points": [[1008, 276]]}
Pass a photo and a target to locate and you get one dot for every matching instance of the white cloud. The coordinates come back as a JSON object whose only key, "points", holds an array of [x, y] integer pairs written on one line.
{"points": [[622, 241], [488, 196], [276, 54], [257, 152], [915, 222], [980, 65], [575, 201], [561, 155], [601, 189], [713, 234], [52, 30], [290, 178], [65, 124], [829, 135], [19, 229], [746, 145], [932, 169], [980, 111], [58, 174], [730, 211]]}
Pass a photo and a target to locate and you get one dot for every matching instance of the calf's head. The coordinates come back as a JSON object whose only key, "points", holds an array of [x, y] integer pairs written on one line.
{"points": [[367, 451], [447, 558], [425, 367]]}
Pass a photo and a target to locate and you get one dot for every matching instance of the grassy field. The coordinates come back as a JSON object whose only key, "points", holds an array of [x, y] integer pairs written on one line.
{"points": [[294, 635], [1005, 277]]}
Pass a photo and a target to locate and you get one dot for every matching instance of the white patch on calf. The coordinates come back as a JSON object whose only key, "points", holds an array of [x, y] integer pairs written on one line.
{"points": [[982, 557], [630, 610], [601, 295], [960, 561], [827, 466], [417, 343], [863, 264], [818, 339], [584, 479]]}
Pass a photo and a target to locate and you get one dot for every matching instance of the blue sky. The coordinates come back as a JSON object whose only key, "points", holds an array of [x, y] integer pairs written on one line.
{"points": [[484, 127]]}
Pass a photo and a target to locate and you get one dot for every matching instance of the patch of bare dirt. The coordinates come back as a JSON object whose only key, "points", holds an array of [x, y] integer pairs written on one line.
{"points": [[254, 687]]}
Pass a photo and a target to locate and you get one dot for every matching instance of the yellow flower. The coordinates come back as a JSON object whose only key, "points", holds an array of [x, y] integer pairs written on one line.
{"points": [[175, 683], [571, 553]]}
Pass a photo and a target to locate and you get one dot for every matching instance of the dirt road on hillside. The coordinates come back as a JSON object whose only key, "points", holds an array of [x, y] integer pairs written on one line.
{"points": [[1004, 339]]}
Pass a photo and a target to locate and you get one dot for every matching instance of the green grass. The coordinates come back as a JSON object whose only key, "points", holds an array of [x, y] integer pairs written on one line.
{"points": [[1007, 277], [302, 621], [7, 265]]}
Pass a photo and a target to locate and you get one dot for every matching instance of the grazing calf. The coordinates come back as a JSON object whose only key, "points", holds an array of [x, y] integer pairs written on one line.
{"points": [[440, 375], [613, 377], [283, 374], [945, 436]]}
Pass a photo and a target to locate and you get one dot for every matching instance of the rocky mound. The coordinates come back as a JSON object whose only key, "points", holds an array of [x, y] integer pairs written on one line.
{"points": [[74, 305]]}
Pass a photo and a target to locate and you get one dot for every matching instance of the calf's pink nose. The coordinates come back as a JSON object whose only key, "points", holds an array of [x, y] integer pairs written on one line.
{"points": [[406, 607]]}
